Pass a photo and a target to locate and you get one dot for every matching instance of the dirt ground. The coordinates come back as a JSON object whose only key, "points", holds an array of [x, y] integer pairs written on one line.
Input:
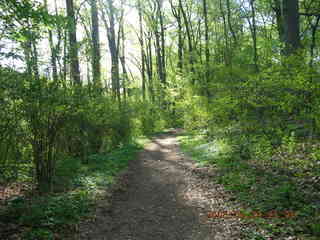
{"points": [[165, 196]]}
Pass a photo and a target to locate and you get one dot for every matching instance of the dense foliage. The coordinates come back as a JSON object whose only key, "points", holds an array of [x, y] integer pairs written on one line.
{"points": [[243, 75]]}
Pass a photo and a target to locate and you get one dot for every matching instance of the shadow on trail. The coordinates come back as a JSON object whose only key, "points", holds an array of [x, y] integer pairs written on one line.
{"points": [[153, 205]]}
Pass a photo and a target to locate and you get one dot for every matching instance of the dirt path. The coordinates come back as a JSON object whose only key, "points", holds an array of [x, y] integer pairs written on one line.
{"points": [[166, 198]]}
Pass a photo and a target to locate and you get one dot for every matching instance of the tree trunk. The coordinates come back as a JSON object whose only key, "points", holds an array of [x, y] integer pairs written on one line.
{"points": [[158, 53], [114, 50], [149, 65], [53, 50], [314, 28], [254, 35], [189, 37], [163, 49], [230, 23], [207, 50], [176, 12], [73, 46], [96, 56], [142, 52], [291, 23], [227, 52], [287, 14], [123, 62]]}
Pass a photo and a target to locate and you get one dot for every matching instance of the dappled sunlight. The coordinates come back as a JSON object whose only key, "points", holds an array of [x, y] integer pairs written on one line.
{"points": [[84, 84]]}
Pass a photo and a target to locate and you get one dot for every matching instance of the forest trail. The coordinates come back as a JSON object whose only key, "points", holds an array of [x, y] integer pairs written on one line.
{"points": [[166, 198]]}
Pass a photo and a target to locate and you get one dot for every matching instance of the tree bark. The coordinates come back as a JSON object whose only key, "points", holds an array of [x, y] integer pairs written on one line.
{"points": [[291, 23], [96, 55], [53, 49], [314, 28], [207, 50], [114, 50], [149, 65], [189, 37], [176, 12], [142, 52], [254, 35], [230, 23], [162, 36], [123, 61], [287, 14], [73, 46], [227, 52]]}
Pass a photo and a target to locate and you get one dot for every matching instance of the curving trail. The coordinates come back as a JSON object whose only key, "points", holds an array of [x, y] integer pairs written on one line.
{"points": [[166, 198]]}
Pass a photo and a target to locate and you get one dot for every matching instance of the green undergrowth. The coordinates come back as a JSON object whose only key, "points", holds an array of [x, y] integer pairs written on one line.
{"points": [[78, 185], [265, 187]]}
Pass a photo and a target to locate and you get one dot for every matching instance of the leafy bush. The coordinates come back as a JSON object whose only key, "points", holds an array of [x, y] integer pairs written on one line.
{"points": [[45, 215], [45, 125]]}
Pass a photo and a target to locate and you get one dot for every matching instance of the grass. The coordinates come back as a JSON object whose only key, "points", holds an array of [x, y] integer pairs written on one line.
{"points": [[77, 187], [261, 189]]}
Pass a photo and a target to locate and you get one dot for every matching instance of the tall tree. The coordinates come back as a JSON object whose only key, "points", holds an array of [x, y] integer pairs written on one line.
{"points": [[96, 55], [122, 39], [253, 28], [53, 50], [291, 25], [149, 65], [176, 12], [73, 46], [287, 14], [142, 50], [230, 23], [207, 50], [109, 13], [187, 25], [227, 50], [162, 36]]}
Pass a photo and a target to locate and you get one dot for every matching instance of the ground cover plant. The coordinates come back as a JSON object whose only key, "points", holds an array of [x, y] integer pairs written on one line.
{"points": [[286, 194], [81, 81]]}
